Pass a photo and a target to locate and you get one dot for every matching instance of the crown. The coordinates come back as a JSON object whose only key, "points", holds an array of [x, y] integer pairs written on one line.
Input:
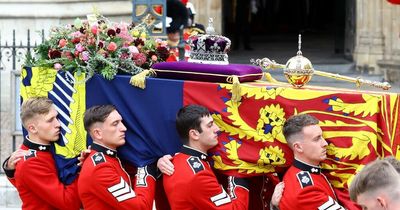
{"points": [[209, 48]]}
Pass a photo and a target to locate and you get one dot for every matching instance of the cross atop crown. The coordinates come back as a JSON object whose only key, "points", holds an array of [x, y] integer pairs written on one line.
{"points": [[210, 28], [210, 48]]}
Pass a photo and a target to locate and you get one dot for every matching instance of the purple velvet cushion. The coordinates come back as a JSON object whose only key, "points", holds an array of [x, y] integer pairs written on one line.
{"points": [[207, 72]]}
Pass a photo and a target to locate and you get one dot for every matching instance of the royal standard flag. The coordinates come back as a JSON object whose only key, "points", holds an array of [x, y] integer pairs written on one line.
{"points": [[358, 126]]}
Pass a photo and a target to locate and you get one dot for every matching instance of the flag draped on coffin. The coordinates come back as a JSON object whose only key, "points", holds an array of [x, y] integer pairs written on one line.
{"points": [[67, 91], [358, 126], [149, 115]]}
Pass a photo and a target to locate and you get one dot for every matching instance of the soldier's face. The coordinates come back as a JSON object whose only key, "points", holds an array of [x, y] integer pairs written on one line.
{"points": [[45, 127], [112, 131], [208, 138], [313, 145]]}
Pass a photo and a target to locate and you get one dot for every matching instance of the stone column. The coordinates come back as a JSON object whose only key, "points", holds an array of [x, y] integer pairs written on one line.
{"points": [[369, 37], [390, 63]]}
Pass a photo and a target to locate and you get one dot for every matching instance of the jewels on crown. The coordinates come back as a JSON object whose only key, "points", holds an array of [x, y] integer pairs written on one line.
{"points": [[210, 48]]}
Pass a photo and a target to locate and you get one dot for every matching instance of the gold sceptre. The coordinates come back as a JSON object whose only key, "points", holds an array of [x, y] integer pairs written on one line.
{"points": [[299, 71]]}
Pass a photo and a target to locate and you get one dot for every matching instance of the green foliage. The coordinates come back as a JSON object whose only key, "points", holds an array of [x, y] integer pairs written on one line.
{"points": [[99, 47]]}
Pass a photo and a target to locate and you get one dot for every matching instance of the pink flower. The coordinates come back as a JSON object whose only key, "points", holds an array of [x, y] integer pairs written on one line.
{"points": [[112, 47], [139, 59], [85, 55], [57, 66], [154, 58], [124, 32], [79, 48], [76, 34], [62, 43], [94, 29], [133, 49], [91, 41], [124, 56]]}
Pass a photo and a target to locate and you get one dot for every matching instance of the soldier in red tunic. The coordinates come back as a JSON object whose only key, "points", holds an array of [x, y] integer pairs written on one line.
{"points": [[193, 185], [306, 187], [36, 176], [103, 182]]}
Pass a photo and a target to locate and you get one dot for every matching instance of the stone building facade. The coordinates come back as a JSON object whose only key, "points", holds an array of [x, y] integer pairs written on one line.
{"points": [[377, 38]]}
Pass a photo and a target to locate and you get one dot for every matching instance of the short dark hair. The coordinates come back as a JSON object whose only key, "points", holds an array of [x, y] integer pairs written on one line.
{"points": [[96, 114], [189, 117], [295, 124]]}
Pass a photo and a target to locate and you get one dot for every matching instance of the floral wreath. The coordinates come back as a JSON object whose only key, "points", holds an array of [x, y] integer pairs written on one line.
{"points": [[97, 45]]}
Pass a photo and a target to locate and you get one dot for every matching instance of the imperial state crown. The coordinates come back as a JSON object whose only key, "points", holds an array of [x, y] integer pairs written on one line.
{"points": [[210, 48]]}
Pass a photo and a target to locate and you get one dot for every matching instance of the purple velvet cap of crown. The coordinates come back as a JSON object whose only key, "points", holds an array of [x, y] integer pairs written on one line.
{"points": [[207, 72]]}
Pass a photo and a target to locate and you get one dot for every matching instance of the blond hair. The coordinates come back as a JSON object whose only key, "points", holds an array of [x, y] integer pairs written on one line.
{"points": [[378, 175], [33, 107]]}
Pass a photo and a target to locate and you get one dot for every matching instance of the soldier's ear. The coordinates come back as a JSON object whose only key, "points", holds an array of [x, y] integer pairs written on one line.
{"points": [[32, 128], [297, 147], [193, 134], [382, 202], [96, 133]]}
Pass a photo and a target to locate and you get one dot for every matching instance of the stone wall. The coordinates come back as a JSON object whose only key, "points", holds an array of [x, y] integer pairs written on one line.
{"points": [[377, 35], [6, 136]]}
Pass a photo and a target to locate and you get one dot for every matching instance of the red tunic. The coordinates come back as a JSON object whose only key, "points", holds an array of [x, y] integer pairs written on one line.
{"points": [[394, 1], [193, 185], [37, 181], [104, 184], [307, 188]]}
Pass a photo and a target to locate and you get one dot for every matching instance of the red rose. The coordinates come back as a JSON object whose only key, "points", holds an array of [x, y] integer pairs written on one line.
{"points": [[68, 55], [62, 43], [76, 40], [139, 58], [54, 54], [112, 47]]}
